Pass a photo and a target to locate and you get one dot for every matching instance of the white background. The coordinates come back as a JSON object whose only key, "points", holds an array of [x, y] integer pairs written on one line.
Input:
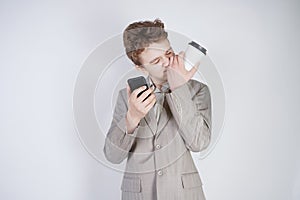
{"points": [[254, 45]]}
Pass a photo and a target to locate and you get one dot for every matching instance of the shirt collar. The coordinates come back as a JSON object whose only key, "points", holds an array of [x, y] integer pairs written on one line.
{"points": [[164, 89]]}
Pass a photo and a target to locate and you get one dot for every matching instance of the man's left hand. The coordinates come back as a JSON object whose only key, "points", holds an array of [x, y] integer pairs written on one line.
{"points": [[177, 74]]}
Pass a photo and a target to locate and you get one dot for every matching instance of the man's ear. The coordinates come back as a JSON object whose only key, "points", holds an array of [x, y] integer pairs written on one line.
{"points": [[141, 69]]}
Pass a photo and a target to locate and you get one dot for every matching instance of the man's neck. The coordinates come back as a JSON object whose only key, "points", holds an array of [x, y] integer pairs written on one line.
{"points": [[158, 84]]}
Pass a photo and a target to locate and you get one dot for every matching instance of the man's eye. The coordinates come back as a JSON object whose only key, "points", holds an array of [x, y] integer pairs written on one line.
{"points": [[156, 62], [170, 53]]}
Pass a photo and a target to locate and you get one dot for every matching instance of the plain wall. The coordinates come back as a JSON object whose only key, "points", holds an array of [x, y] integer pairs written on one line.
{"points": [[254, 45]]}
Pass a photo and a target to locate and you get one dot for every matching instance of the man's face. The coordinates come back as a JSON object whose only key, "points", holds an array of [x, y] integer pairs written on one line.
{"points": [[155, 60]]}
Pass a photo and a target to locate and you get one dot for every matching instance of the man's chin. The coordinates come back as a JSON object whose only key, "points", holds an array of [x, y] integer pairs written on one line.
{"points": [[164, 77], [164, 80]]}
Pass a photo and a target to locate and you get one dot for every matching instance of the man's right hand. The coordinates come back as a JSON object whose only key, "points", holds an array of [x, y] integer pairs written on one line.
{"points": [[138, 107]]}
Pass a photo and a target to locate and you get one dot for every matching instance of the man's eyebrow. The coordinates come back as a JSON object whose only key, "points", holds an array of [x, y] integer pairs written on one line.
{"points": [[158, 57]]}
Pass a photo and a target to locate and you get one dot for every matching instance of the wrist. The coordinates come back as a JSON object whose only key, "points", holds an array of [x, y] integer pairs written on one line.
{"points": [[130, 118], [131, 123]]}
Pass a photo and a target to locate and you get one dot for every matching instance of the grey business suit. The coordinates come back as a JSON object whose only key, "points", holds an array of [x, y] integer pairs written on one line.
{"points": [[159, 164]]}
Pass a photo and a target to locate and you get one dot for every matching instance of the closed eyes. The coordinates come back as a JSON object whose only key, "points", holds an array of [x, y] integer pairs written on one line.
{"points": [[168, 54]]}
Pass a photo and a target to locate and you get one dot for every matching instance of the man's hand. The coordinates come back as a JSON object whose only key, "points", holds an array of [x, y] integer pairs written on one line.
{"points": [[138, 107], [177, 74]]}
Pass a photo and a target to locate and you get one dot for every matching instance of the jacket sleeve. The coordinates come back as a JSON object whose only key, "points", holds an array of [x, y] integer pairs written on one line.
{"points": [[117, 142], [192, 113]]}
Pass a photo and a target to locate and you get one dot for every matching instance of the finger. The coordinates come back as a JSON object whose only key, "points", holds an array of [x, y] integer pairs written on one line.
{"points": [[171, 61], [152, 87], [175, 60], [180, 58], [145, 94], [138, 90], [181, 54], [150, 105], [196, 66], [194, 70], [149, 100]]}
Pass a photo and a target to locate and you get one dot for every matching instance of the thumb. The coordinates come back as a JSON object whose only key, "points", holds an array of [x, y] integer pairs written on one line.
{"points": [[194, 69], [196, 66]]}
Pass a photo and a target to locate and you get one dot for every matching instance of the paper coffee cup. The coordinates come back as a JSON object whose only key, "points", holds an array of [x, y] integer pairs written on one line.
{"points": [[193, 54]]}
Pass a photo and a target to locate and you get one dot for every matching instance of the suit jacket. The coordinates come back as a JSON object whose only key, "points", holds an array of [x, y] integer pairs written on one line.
{"points": [[159, 163]]}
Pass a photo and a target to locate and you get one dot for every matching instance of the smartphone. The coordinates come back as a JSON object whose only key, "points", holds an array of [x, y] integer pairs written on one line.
{"points": [[136, 82]]}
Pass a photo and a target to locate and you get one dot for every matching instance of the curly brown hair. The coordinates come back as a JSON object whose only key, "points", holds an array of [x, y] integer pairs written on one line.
{"points": [[139, 35]]}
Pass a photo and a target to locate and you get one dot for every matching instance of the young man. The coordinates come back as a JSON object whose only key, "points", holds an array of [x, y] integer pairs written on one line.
{"points": [[157, 130]]}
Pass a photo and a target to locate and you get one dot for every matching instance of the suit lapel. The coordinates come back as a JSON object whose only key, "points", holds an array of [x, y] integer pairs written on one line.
{"points": [[151, 121], [164, 118]]}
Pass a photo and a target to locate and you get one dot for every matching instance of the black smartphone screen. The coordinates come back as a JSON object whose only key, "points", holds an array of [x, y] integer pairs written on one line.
{"points": [[136, 82]]}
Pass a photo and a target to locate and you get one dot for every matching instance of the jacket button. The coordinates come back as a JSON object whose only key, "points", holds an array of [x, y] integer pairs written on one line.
{"points": [[157, 146], [159, 173]]}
